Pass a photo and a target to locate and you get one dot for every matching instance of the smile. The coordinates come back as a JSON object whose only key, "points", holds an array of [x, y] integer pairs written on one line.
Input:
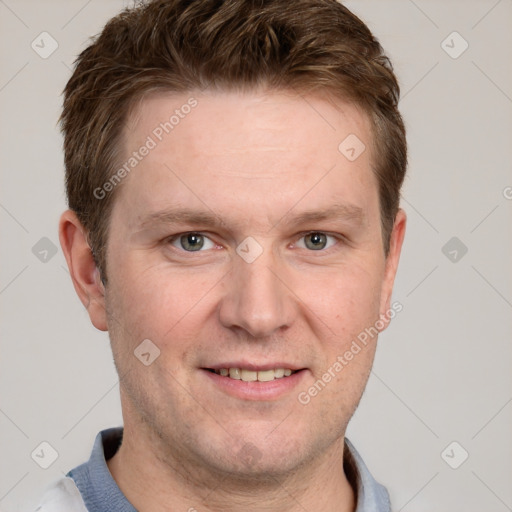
{"points": [[255, 381], [252, 375]]}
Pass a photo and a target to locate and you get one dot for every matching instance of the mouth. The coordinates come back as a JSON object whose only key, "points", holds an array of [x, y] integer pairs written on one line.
{"points": [[249, 375], [247, 381]]}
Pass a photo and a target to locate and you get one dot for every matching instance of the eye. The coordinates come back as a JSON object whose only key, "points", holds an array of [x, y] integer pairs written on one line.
{"points": [[316, 241], [192, 242]]}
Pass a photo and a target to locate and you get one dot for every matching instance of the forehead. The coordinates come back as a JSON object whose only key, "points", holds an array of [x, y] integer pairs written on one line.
{"points": [[225, 150], [222, 119]]}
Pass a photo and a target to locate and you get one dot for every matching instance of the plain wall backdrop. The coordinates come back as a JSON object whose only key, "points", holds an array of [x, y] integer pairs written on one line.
{"points": [[441, 386]]}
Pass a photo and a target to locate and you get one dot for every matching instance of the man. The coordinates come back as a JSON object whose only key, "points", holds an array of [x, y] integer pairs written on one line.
{"points": [[233, 174]]}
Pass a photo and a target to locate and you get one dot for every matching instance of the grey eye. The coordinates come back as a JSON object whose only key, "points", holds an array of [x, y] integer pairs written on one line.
{"points": [[315, 241], [192, 242]]}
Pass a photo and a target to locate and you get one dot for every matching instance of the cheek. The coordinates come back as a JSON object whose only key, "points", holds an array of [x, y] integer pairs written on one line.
{"points": [[156, 303], [345, 300], [344, 314]]}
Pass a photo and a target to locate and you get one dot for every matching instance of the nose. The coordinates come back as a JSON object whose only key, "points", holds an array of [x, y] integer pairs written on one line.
{"points": [[257, 298]]}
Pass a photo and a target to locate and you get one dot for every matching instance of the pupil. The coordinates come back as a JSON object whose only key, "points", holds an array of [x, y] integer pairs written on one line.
{"points": [[192, 242], [316, 241]]}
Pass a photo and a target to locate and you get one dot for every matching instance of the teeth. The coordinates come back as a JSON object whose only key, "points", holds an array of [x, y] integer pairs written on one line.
{"points": [[234, 373], [253, 376], [249, 376], [266, 375]]}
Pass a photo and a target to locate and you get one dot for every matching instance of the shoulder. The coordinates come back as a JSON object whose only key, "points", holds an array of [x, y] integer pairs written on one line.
{"points": [[62, 496]]}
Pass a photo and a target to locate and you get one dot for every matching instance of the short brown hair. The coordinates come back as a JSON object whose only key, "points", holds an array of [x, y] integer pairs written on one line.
{"points": [[184, 45]]}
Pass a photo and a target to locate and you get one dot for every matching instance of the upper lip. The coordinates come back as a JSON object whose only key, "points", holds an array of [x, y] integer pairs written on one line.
{"points": [[254, 367]]}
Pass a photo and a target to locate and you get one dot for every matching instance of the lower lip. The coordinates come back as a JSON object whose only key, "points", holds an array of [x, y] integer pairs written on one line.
{"points": [[271, 390]]}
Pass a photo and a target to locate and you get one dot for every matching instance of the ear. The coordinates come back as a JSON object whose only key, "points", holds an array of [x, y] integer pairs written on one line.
{"points": [[395, 248], [82, 267]]}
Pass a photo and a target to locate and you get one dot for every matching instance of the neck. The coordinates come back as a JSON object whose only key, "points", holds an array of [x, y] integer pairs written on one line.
{"points": [[155, 478]]}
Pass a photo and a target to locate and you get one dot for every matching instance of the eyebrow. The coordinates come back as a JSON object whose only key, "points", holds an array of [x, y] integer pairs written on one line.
{"points": [[342, 212]]}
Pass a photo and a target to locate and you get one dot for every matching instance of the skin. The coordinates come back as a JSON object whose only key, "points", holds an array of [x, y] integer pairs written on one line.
{"points": [[256, 162]]}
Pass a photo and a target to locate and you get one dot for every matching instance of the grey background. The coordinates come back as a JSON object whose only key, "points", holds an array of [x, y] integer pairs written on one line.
{"points": [[443, 368]]}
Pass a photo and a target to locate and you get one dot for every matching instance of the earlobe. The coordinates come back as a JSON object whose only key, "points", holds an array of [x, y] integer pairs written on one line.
{"points": [[82, 268], [393, 257]]}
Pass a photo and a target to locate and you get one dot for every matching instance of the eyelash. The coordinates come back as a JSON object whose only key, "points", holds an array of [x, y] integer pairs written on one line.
{"points": [[337, 237]]}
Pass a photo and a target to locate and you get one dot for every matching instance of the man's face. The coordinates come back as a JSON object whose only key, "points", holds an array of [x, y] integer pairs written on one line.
{"points": [[245, 239]]}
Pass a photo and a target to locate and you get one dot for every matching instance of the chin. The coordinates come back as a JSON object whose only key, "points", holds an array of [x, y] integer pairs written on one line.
{"points": [[268, 468], [259, 459]]}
